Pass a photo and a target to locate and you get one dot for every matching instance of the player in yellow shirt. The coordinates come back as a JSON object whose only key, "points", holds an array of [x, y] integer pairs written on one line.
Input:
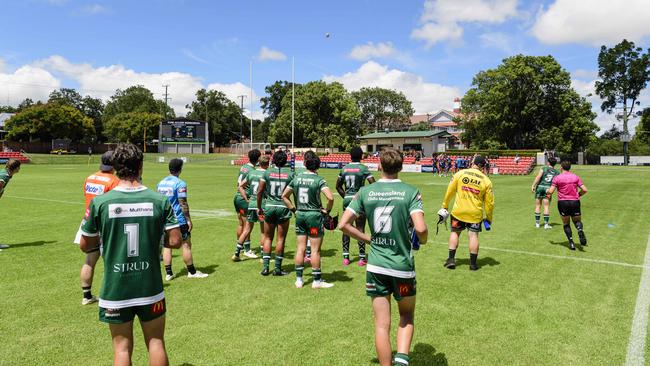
{"points": [[474, 198]]}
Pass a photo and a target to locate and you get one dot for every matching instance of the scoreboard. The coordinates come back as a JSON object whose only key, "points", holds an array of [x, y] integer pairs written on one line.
{"points": [[182, 130]]}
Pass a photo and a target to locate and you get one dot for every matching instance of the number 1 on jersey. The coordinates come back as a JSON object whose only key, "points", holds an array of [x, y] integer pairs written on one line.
{"points": [[132, 232]]}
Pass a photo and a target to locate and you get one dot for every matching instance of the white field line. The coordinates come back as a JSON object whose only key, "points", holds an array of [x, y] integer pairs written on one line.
{"points": [[80, 202], [636, 345]]}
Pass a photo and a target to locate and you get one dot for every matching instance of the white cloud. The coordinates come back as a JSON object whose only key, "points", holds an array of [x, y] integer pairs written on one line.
{"points": [[267, 54], [234, 90], [498, 40], [189, 54], [426, 97], [38, 79], [599, 22], [94, 9], [371, 50], [25, 82], [440, 18]]}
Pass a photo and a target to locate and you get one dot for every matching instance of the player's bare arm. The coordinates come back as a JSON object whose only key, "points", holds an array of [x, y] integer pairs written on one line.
{"points": [[242, 189], [339, 186], [348, 229], [330, 199], [420, 226], [537, 179], [583, 190], [286, 198], [549, 192], [185, 207]]}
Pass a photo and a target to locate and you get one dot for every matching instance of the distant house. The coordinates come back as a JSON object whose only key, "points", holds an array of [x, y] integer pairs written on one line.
{"points": [[3, 118], [443, 120], [427, 142]]}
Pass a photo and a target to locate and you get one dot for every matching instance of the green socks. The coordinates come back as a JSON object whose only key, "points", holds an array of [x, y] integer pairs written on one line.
{"points": [[266, 258], [238, 249], [247, 246], [546, 217], [401, 359], [299, 271], [278, 262], [537, 217], [316, 273]]}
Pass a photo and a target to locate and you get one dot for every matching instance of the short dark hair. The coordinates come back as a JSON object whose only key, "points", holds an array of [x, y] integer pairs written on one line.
{"points": [[356, 154], [552, 161], [175, 166], [391, 161], [280, 159], [127, 161], [479, 161], [566, 165], [254, 156], [12, 164], [312, 161]]}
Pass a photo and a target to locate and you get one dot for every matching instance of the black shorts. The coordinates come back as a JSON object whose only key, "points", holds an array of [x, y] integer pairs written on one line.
{"points": [[457, 225], [569, 208], [185, 232]]}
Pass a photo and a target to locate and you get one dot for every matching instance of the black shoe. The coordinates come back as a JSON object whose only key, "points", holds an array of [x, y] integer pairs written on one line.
{"points": [[279, 272], [450, 263], [583, 238], [265, 272], [473, 268], [572, 246]]}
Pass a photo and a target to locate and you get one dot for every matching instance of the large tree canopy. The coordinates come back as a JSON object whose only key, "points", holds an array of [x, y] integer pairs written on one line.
{"points": [[272, 102], [135, 99], [527, 102], [133, 127], [49, 121], [382, 108], [224, 116], [89, 106], [325, 116]]}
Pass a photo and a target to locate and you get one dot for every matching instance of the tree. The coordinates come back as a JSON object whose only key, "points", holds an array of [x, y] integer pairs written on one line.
{"points": [[383, 108], [421, 126], [326, 115], [133, 127], [625, 71], [135, 99], [47, 122], [8, 109], [612, 134], [272, 103], [526, 102], [66, 96], [28, 102], [224, 116]]}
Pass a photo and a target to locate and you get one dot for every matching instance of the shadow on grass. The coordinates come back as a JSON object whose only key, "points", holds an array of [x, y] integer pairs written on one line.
{"points": [[30, 244], [186, 364], [481, 261], [337, 276], [207, 269], [423, 354], [566, 245]]}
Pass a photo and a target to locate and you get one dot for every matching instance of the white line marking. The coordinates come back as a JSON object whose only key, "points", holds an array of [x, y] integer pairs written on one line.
{"points": [[47, 200], [636, 345], [592, 260]]}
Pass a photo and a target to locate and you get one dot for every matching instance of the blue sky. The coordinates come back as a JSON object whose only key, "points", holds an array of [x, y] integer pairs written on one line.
{"points": [[430, 50]]}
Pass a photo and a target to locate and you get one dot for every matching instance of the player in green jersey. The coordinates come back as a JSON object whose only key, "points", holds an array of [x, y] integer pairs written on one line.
{"points": [[131, 220], [274, 213], [11, 167], [541, 184], [391, 208], [248, 190], [352, 177], [307, 188], [241, 206]]}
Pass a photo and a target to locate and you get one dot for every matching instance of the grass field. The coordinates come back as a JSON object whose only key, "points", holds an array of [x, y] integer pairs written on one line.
{"points": [[533, 302]]}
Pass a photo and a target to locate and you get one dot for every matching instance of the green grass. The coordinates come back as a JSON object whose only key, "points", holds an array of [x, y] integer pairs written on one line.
{"points": [[519, 309]]}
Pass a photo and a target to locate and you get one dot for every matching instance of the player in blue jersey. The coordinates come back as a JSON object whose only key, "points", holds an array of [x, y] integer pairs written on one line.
{"points": [[176, 191]]}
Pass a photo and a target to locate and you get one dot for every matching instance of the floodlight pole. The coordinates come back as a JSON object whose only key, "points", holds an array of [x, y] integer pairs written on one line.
{"points": [[293, 102], [626, 157], [241, 116], [251, 100]]}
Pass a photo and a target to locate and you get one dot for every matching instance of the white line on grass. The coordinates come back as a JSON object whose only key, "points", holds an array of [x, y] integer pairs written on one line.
{"points": [[47, 200], [636, 345]]}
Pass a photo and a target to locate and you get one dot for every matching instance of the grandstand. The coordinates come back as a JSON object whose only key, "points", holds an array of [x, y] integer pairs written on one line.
{"points": [[505, 165], [4, 156]]}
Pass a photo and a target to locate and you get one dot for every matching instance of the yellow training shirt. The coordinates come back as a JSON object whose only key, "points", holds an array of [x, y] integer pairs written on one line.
{"points": [[473, 192]]}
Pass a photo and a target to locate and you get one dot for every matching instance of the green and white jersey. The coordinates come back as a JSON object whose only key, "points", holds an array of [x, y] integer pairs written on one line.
{"points": [[548, 173], [306, 189], [243, 173], [354, 176], [4, 178], [388, 205], [253, 179], [276, 179], [131, 223]]}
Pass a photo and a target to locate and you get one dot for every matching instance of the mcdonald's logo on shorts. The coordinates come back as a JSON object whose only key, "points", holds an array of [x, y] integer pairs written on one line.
{"points": [[313, 231], [158, 307], [404, 289]]}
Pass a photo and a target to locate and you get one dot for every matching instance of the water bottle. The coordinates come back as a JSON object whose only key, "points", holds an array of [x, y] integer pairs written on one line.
{"points": [[415, 241], [486, 224]]}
